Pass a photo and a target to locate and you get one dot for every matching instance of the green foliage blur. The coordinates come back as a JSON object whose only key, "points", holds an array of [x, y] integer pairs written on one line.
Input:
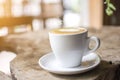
{"points": [[110, 8]]}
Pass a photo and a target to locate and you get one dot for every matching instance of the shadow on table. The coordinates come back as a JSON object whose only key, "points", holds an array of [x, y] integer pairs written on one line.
{"points": [[95, 73]]}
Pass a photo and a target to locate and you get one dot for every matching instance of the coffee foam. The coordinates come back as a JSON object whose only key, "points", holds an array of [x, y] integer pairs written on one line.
{"points": [[68, 30]]}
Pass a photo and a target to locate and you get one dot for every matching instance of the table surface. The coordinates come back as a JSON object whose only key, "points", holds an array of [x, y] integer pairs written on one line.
{"points": [[30, 46]]}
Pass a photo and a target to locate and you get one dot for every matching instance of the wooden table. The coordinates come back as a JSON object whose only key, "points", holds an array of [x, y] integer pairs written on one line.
{"points": [[29, 47]]}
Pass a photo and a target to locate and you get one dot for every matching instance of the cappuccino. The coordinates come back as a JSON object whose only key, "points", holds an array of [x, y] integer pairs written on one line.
{"points": [[69, 45], [68, 30]]}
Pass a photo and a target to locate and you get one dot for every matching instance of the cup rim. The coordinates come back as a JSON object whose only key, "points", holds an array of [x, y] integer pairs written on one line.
{"points": [[86, 30]]}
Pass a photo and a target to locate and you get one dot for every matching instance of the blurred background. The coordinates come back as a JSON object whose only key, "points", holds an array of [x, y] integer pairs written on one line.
{"points": [[33, 15], [19, 16]]}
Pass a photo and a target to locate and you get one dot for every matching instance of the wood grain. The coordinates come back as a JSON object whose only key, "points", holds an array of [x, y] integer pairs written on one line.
{"points": [[4, 76], [29, 47]]}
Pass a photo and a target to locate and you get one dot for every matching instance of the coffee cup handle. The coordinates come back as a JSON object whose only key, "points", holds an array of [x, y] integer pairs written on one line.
{"points": [[97, 41]]}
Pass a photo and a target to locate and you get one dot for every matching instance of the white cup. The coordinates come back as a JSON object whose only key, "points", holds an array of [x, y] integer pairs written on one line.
{"points": [[70, 48]]}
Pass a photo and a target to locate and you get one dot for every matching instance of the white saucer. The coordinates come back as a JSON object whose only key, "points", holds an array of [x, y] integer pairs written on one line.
{"points": [[48, 62]]}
